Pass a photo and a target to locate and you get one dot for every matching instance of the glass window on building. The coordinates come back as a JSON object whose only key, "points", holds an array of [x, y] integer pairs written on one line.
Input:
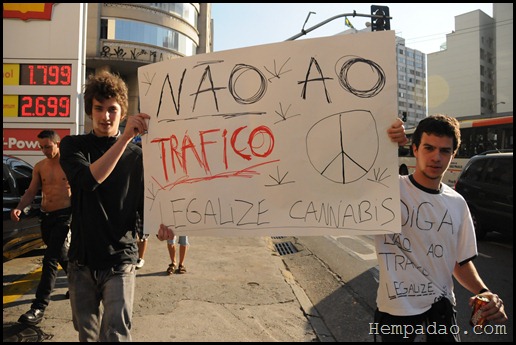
{"points": [[186, 11], [133, 31]]}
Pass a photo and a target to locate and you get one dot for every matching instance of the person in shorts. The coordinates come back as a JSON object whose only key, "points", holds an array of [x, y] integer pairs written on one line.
{"points": [[183, 247]]}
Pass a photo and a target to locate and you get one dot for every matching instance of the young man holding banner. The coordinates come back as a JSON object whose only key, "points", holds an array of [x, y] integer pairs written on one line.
{"points": [[105, 171], [437, 242]]}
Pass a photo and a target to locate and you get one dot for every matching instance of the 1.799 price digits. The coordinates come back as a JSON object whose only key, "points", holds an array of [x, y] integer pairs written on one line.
{"points": [[44, 106], [45, 74]]}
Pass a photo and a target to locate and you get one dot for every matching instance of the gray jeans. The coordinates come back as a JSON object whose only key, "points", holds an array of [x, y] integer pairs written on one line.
{"points": [[109, 321]]}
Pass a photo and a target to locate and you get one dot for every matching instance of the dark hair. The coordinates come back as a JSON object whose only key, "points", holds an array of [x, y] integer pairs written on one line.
{"points": [[440, 125], [49, 134], [105, 85]]}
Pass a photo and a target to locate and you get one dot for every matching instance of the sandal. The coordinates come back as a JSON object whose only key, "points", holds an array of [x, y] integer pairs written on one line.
{"points": [[171, 269], [181, 269]]}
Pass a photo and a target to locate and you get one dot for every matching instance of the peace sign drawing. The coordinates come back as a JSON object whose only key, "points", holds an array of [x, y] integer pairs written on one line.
{"points": [[343, 147]]}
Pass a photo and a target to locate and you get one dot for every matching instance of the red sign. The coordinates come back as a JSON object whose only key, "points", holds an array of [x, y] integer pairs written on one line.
{"points": [[26, 139], [26, 11]]}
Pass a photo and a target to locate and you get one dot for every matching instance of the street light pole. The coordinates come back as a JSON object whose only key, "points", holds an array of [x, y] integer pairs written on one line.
{"points": [[354, 14], [496, 106]]}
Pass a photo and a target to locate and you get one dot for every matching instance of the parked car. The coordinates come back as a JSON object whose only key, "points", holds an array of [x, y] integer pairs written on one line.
{"points": [[486, 184], [23, 236]]}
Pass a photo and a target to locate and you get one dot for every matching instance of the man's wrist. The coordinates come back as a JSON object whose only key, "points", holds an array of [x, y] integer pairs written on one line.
{"points": [[482, 291]]}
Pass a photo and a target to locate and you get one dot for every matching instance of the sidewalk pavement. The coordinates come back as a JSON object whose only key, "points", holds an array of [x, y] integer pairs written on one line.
{"points": [[235, 289]]}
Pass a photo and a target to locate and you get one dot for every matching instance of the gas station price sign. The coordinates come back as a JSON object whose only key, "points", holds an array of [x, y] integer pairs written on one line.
{"points": [[46, 74], [38, 90], [43, 106]]}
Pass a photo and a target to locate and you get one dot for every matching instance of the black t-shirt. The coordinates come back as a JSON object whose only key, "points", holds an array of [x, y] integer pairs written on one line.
{"points": [[104, 215]]}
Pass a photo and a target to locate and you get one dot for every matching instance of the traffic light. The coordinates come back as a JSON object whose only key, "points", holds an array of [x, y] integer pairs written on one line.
{"points": [[380, 24], [404, 116]]}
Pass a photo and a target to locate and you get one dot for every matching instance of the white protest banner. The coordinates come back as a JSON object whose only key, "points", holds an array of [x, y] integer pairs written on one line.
{"points": [[280, 139]]}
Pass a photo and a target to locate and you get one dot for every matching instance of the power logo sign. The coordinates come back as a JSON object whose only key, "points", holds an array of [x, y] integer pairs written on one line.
{"points": [[25, 139]]}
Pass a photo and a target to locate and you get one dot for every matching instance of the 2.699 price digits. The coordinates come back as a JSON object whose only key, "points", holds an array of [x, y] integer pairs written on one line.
{"points": [[44, 106]]}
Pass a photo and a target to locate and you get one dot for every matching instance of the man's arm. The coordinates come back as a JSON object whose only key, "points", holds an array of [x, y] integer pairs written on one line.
{"points": [[467, 275], [30, 193], [105, 165]]}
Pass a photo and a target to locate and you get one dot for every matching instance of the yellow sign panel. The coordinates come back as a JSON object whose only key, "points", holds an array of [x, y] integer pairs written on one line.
{"points": [[24, 8], [10, 105], [11, 74]]}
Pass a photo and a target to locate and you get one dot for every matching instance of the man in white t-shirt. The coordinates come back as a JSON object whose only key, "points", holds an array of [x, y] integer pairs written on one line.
{"points": [[437, 242]]}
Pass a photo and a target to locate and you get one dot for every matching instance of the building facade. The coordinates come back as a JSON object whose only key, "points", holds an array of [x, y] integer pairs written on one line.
{"points": [[473, 74], [411, 67], [411, 73], [124, 36], [503, 16]]}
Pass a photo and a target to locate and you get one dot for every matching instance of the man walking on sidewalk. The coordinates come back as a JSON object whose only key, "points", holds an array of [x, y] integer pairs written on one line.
{"points": [[55, 220]]}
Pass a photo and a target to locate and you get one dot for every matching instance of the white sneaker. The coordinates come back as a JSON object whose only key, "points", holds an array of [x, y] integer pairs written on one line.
{"points": [[139, 263]]}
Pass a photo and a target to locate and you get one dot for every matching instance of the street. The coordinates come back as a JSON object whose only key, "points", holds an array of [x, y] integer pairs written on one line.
{"points": [[320, 289]]}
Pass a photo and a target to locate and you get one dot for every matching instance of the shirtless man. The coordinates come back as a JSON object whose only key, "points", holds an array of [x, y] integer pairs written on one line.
{"points": [[56, 214]]}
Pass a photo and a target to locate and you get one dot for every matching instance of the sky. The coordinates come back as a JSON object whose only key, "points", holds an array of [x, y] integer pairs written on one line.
{"points": [[423, 26]]}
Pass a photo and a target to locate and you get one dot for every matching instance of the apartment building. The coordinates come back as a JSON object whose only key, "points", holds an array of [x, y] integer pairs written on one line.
{"points": [[472, 74], [411, 67], [411, 72]]}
